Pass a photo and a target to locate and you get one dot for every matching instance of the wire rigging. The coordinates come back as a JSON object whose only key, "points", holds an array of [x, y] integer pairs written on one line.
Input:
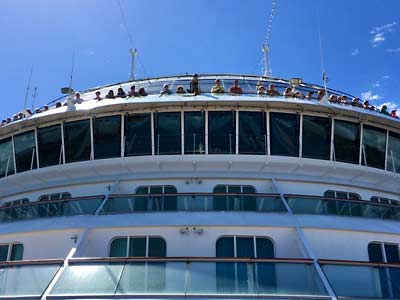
{"points": [[266, 44]]}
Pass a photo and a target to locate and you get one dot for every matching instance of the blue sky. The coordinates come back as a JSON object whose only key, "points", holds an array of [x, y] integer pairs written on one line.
{"points": [[361, 43]]}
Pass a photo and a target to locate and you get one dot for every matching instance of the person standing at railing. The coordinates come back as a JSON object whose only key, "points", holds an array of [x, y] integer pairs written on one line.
{"points": [[121, 93], [288, 92], [78, 99], [98, 97], [217, 88], [180, 90], [195, 85], [132, 92], [272, 91], [261, 91], [165, 90], [110, 95], [309, 95], [393, 114], [235, 89]]}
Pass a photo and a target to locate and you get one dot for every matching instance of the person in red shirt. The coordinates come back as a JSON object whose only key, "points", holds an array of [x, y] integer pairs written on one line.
{"points": [[393, 114], [235, 89]]}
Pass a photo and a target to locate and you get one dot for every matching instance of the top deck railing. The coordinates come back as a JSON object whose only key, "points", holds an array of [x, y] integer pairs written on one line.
{"points": [[248, 83]]}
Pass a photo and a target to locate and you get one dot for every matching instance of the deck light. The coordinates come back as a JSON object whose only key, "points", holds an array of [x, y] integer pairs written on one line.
{"points": [[295, 81]]}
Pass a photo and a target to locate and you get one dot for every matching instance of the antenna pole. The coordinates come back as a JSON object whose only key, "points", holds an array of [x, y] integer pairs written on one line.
{"points": [[265, 50], [28, 87], [133, 53], [34, 98], [72, 73]]}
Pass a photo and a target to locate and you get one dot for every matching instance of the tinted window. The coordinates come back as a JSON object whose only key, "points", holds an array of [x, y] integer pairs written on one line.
{"points": [[393, 161], [225, 247], [194, 133], [118, 247], [316, 137], [245, 247], [167, 132], [107, 137], [138, 134], [252, 133], [392, 253], [375, 252], [221, 132], [265, 248], [77, 141], [16, 252], [49, 144], [137, 247], [157, 247], [4, 252], [284, 134], [347, 142], [25, 151], [6, 157], [374, 146]]}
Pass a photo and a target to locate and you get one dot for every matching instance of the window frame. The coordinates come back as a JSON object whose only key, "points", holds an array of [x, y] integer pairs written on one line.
{"points": [[10, 249], [129, 237]]}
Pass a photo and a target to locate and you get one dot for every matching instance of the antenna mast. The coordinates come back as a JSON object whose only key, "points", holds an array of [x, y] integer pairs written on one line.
{"points": [[28, 87], [133, 53], [266, 47]]}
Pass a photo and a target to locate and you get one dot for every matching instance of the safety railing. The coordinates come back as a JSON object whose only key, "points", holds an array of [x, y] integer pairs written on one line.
{"points": [[342, 207], [193, 202], [26, 279], [55, 208], [188, 277], [366, 280]]}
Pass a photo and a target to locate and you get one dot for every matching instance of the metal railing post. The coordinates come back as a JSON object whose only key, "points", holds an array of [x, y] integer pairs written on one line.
{"points": [[306, 245]]}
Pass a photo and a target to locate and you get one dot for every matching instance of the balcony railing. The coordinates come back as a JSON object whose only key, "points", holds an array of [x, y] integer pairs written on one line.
{"points": [[342, 207], [189, 277], [199, 202]]}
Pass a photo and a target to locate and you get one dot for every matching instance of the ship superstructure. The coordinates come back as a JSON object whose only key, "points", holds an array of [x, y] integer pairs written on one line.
{"points": [[201, 196]]}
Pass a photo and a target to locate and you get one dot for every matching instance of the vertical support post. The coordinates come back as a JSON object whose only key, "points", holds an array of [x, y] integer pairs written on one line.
{"points": [[182, 133], [268, 134], [62, 143], [305, 244], [332, 154], [237, 132], [91, 140], [122, 135], [387, 149], [206, 131], [133, 53], [152, 133], [361, 144], [37, 148], [301, 136], [13, 156]]}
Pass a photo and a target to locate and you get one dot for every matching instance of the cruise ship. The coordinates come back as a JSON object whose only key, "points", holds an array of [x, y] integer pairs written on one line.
{"points": [[200, 195]]}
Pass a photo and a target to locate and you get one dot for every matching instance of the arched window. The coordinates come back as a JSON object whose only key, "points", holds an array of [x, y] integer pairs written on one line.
{"points": [[341, 195], [138, 246], [233, 276], [234, 202], [155, 200], [11, 252]]}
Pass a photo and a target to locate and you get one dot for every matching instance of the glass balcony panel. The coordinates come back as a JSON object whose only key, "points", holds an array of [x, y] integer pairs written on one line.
{"points": [[152, 278], [167, 133], [221, 132], [26, 280], [194, 132], [252, 133], [77, 141], [89, 279]]}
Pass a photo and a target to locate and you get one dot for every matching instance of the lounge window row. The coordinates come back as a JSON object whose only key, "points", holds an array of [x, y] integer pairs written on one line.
{"points": [[201, 132]]}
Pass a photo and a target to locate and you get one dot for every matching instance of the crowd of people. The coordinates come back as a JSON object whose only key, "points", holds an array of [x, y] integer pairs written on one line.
{"points": [[194, 90]]}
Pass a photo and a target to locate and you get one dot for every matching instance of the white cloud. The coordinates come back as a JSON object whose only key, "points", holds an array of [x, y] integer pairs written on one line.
{"points": [[386, 27], [377, 84], [386, 77], [121, 26], [379, 32], [370, 96], [393, 50], [355, 52]]}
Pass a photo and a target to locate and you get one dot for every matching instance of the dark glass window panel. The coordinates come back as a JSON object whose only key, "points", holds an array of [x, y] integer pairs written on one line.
{"points": [[170, 202], [221, 132], [265, 248], [17, 251], [266, 273], [316, 137], [225, 247], [245, 247], [156, 189], [341, 195], [25, 151], [329, 194], [248, 189], [392, 253], [375, 253], [49, 144], [194, 132], [137, 247], [77, 141], [353, 196], [118, 247], [167, 133], [252, 133], [3, 252], [347, 142], [374, 143], [284, 134], [142, 190], [393, 161], [107, 137], [6, 157], [157, 247], [374, 199], [138, 134]]}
